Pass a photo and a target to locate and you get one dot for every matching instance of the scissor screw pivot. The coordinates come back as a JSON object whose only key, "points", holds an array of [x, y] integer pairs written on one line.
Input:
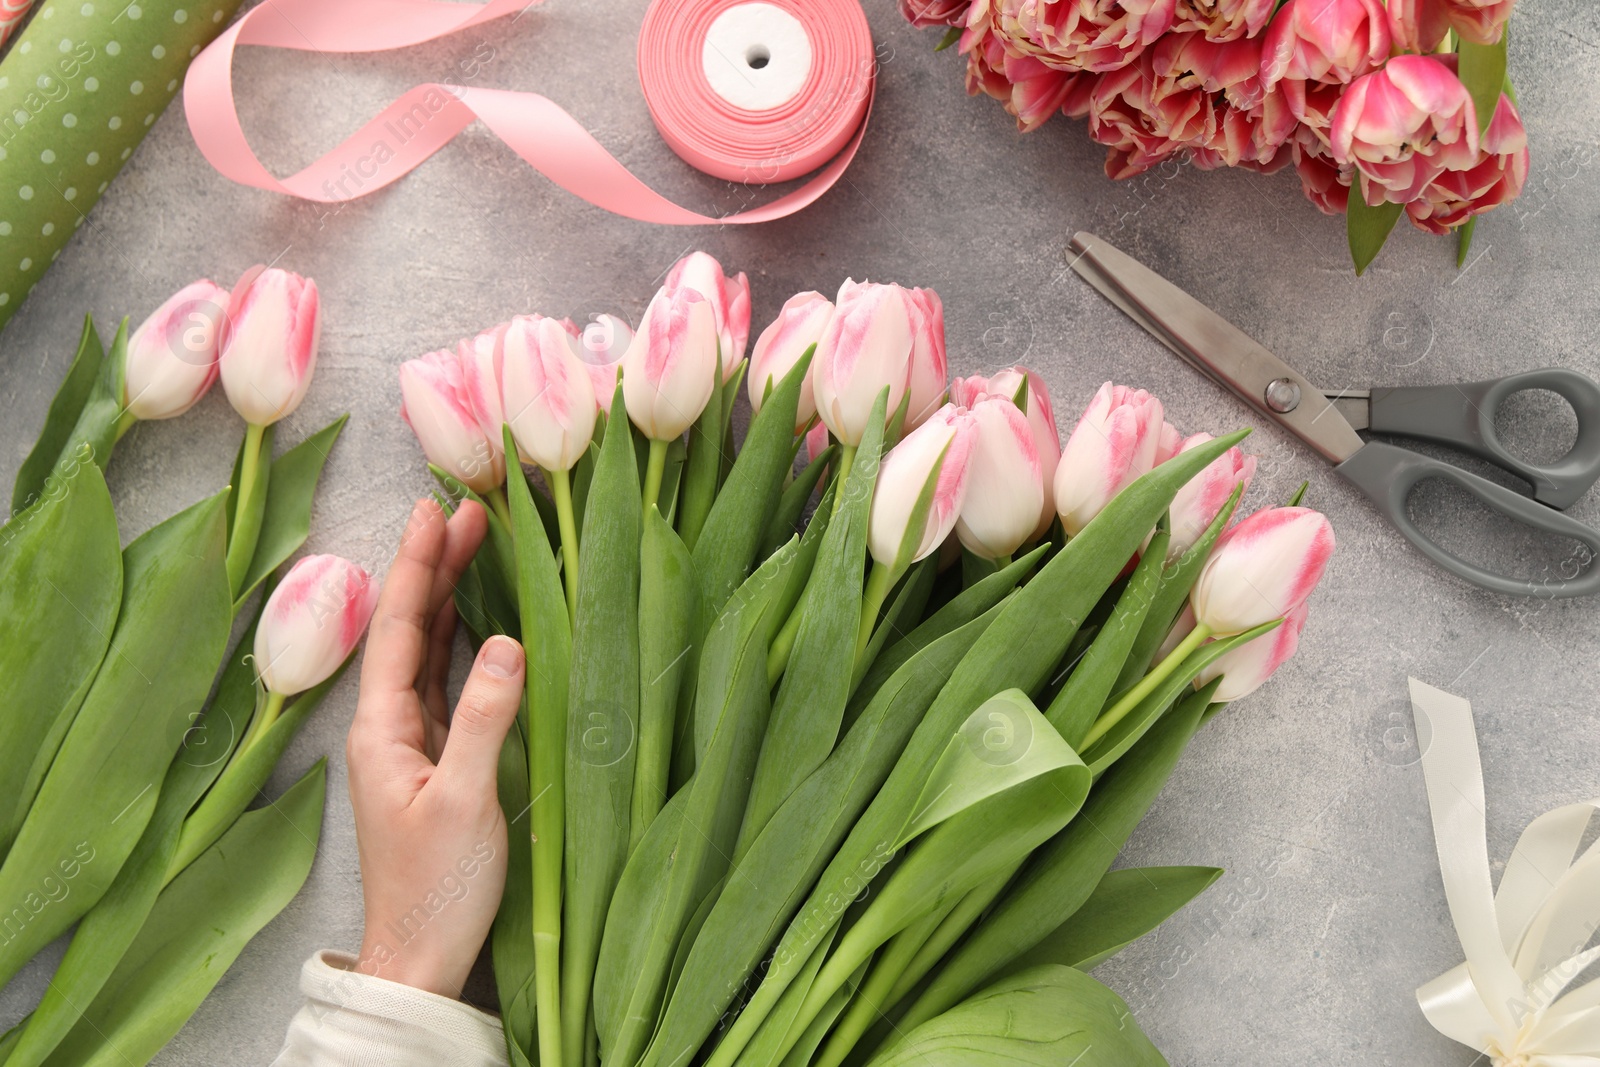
{"points": [[1283, 395]]}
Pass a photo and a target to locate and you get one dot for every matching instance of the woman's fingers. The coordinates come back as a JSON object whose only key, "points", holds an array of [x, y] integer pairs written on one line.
{"points": [[487, 708], [399, 631], [462, 536]]}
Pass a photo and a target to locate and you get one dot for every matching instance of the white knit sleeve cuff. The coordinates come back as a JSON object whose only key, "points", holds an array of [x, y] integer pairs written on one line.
{"points": [[351, 1019]]}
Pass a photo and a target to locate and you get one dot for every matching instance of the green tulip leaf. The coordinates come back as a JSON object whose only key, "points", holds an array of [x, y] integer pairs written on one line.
{"points": [[1063, 873], [702, 471], [685, 851], [511, 947], [103, 785], [776, 873], [1367, 228], [1482, 69], [1045, 1016], [286, 518], [60, 590], [809, 707], [1126, 905], [667, 608], [239, 884], [109, 928], [60, 420], [602, 720], [792, 504]]}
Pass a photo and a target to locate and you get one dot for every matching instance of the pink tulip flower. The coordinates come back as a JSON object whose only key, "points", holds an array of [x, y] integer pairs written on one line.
{"points": [[1005, 484], [926, 385], [816, 441], [549, 400], [1324, 41], [867, 345], [1420, 25], [1325, 183], [479, 358], [670, 368], [1202, 498], [1498, 177], [926, 13], [1144, 117], [1092, 35], [1030, 88], [435, 404], [799, 325], [1403, 125], [601, 346], [967, 392], [270, 349], [1223, 20], [172, 356], [729, 298], [1262, 569], [1113, 444], [1245, 669], [1169, 442], [944, 442], [312, 622]]}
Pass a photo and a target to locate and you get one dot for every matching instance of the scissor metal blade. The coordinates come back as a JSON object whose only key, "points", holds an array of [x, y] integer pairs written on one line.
{"points": [[1214, 345]]}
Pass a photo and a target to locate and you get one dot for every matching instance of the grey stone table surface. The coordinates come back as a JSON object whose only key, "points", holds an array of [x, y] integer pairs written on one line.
{"points": [[1332, 913]]}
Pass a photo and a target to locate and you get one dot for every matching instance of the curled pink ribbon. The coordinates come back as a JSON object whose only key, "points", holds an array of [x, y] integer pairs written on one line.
{"points": [[428, 116]]}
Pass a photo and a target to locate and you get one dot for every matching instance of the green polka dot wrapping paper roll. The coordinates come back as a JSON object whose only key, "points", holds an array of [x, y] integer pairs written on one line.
{"points": [[78, 89]]}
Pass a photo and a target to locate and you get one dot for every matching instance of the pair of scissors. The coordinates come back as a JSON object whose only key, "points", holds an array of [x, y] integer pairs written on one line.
{"points": [[1461, 416]]}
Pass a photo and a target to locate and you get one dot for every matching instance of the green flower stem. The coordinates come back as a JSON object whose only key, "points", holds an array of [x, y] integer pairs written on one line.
{"points": [[1130, 700], [656, 465], [783, 643], [847, 458], [561, 489], [267, 711], [196, 838], [247, 507], [876, 994], [496, 498], [126, 421], [879, 582]]}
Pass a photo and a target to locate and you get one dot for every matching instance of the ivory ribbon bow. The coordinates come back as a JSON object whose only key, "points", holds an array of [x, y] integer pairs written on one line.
{"points": [[1525, 943]]}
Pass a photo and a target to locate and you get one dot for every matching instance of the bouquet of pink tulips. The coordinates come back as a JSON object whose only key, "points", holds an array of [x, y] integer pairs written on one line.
{"points": [[1404, 102], [122, 808], [826, 759]]}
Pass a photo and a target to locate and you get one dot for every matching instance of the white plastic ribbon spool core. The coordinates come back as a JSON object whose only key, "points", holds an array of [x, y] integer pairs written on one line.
{"points": [[756, 56]]}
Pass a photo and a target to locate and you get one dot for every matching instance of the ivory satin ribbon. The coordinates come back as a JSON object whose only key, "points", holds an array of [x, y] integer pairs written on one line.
{"points": [[1525, 943]]}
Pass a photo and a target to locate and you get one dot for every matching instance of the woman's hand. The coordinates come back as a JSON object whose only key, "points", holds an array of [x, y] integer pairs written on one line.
{"points": [[431, 833]]}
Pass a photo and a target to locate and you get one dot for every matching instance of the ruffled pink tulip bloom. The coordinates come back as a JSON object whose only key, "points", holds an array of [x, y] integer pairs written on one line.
{"points": [[924, 13], [1112, 446], [1223, 20], [1072, 35], [601, 346], [1404, 125], [1420, 25], [312, 622], [270, 349], [946, 442], [1262, 569], [1005, 482], [1202, 498], [549, 400], [1144, 117], [1030, 89], [1169, 442], [1325, 183], [1502, 169], [867, 346], [967, 392], [926, 386], [435, 404], [172, 356], [1324, 41], [1245, 669], [729, 299], [670, 368], [799, 325]]}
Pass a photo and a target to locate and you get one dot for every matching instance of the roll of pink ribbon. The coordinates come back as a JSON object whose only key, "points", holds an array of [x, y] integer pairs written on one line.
{"points": [[748, 90]]}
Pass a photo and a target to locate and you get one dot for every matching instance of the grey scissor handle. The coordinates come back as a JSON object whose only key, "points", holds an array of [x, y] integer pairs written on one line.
{"points": [[1463, 416], [1388, 474]]}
